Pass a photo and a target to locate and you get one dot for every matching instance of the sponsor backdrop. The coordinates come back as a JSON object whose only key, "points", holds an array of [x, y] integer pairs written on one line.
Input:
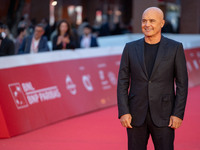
{"points": [[193, 65], [38, 94]]}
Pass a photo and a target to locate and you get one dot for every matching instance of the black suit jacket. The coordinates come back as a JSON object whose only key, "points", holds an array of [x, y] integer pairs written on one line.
{"points": [[71, 45], [157, 92], [7, 47], [26, 45]]}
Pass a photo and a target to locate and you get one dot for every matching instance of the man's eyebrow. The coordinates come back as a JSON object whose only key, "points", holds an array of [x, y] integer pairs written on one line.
{"points": [[149, 19]]}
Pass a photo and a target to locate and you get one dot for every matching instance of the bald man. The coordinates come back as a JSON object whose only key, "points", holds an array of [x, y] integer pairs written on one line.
{"points": [[149, 67]]}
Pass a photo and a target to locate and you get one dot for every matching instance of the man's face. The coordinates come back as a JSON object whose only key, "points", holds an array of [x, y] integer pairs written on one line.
{"points": [[2, 30], [152, 23], [87, 31], [39, 31]]}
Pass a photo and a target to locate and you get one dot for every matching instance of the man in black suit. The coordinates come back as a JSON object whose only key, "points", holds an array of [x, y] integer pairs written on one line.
{"points": [[150, 66], [6, 45], [35, 43]]}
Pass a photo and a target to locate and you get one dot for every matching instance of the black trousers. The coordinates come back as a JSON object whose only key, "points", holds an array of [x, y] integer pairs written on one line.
{"points": [[162, 137]]}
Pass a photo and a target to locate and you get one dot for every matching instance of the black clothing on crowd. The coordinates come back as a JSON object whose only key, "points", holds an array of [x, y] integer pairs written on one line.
{"points": [[7, 47], [71, 45]]}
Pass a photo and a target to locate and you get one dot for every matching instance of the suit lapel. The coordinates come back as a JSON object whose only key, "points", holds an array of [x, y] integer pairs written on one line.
{"points": [[161, 52], [28, 44], [40, 44], [140, 52]]}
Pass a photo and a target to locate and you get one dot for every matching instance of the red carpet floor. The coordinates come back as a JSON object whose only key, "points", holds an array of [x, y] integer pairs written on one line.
{"points": [[101, 130]]}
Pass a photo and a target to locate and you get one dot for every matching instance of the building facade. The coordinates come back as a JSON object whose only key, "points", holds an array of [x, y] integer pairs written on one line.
{"points": [[182, 15]]}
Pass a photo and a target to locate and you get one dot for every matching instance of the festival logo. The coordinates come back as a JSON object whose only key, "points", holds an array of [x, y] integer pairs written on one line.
{"points": [[70, 86], [87, 83]]}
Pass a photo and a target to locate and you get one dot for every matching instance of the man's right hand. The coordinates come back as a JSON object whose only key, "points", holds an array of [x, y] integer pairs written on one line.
{"points": [[126, 120]]}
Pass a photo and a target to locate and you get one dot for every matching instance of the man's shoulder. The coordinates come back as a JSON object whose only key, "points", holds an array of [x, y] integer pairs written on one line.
{"points": [[28, 38], [7, 41], [136, 42], [93, 37], [44, 38], [171, 41]]}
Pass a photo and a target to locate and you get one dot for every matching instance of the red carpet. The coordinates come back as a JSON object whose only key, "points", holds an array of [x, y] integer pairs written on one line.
{"points": [[102, 131]]}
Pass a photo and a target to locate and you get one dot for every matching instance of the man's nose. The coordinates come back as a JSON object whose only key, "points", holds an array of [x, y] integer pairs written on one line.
{"points": [[147, 23]]}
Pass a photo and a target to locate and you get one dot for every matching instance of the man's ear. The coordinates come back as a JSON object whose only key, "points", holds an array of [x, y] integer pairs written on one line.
{"points": [[163, 23]]}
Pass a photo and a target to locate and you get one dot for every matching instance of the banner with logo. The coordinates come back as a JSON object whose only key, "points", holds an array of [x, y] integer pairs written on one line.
{"points": [[193, 66], [37, 94]]}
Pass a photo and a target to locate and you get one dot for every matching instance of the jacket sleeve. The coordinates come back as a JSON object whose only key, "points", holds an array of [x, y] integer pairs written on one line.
{"points": [[181, 80], [123, 84], [44, 45], [22, 46]]}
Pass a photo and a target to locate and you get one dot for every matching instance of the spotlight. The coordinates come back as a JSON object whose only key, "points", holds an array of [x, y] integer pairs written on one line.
{"points": [[54, 3]]}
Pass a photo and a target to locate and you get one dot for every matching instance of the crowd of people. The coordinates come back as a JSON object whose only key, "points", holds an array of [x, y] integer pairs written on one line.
{"points": [[34, 39]]}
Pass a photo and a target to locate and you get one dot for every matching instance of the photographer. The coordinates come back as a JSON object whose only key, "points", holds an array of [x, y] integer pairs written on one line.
{"points": [[6, 45]]}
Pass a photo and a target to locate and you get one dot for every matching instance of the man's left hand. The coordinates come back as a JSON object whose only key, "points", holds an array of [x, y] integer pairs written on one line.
{"points": [[175, 122]]}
